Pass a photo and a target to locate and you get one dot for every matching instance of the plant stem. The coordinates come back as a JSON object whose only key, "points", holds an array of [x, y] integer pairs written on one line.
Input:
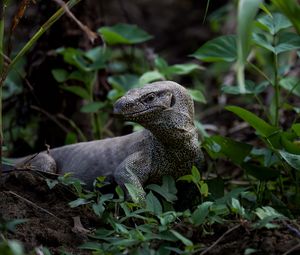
{"points": [[276, 85], [37, 35], [2, 11]]}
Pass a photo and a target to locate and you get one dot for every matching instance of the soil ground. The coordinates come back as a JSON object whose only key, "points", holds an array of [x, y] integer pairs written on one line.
{"points": [[50, 222]]}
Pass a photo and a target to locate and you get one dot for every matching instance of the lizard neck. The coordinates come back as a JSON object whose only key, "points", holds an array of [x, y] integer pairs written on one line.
{"points": [[173, 129]]}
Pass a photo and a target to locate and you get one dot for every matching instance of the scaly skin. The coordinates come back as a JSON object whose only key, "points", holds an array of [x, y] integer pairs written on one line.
{"points": [[167, 146]]}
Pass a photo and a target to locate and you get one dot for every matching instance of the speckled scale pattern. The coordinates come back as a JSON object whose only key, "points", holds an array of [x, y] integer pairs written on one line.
{"points": [[167, 146]]}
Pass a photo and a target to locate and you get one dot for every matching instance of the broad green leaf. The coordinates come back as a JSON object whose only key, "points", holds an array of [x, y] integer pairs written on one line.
{"points": [[92, 107], [291, 9], [260, 172], [124, 82], [197, 95], [250, 88], [262, 128], [287, 42], [274, 23], [292, 159], [291, 84], [79, 91], [124, 34], [220, 49], [290, 142], [201, 213], [180, 237], [60, 75], [235, 151], [151, 76], [262, 41], [153, 204]]}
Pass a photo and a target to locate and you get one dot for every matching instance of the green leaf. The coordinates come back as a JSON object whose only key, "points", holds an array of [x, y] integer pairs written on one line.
{"points": [[287, 42], [262, 128], [151, 76], [235, 151], [275, 23], [123, 34], [153, 204], [296, 128], [180, 237], [196, 174], [291, 9], [201, 213], [291, 84], [197, 95], [78, 202], [167, 190], [236, 207], [250, 88], [60, 75], [220, 49], [182, 69], [260, 172], [292, 159], [135, 193], [79, 91], [92, 107], [124, 82]]}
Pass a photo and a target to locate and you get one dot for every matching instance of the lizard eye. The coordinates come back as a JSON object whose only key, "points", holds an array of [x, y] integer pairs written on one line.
{"points": [[150, 98]]}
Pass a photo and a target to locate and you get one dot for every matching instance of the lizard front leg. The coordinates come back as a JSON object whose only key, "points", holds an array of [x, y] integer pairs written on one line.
{"points": [[133, 170]]}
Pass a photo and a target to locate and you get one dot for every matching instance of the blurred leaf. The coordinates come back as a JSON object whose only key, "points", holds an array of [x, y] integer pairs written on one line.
{"points": [[197, 95], [60, 75], [274, 23], [167, 189], [153, 204], [196, 175], [235, 151], [124, 82], [180, 237], [267, 214], [291, 9], [79, 91], [220, 49], [237, 207], [291, 84], [182, 69], [247, 10], [201, 213], [262, 128], [286, 42], [296, 128], [292, 159], [92, 107], [151, 76], [123, 34], [78, 202], [260, 172], [71, 138], [251, 88], [135, 193]]}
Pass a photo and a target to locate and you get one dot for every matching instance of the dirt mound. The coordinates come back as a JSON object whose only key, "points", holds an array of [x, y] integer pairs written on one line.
{"points": [[50, 220]]}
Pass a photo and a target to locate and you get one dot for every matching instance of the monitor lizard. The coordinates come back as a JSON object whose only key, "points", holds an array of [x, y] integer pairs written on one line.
{"points": [[167, 146]]}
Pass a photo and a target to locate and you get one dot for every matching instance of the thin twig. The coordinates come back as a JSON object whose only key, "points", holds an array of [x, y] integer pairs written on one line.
{"points": [[90, 34], [220, 239], [35, 205]]}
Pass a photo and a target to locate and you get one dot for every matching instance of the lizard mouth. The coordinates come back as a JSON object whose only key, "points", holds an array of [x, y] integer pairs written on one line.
{"points": [[139, 113]]}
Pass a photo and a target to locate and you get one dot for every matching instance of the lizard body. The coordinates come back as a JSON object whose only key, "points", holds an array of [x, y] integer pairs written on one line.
{"points": [[167, 146]]}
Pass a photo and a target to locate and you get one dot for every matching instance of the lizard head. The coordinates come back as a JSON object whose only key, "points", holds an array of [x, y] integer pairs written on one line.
{"points": [[157, 99]]}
